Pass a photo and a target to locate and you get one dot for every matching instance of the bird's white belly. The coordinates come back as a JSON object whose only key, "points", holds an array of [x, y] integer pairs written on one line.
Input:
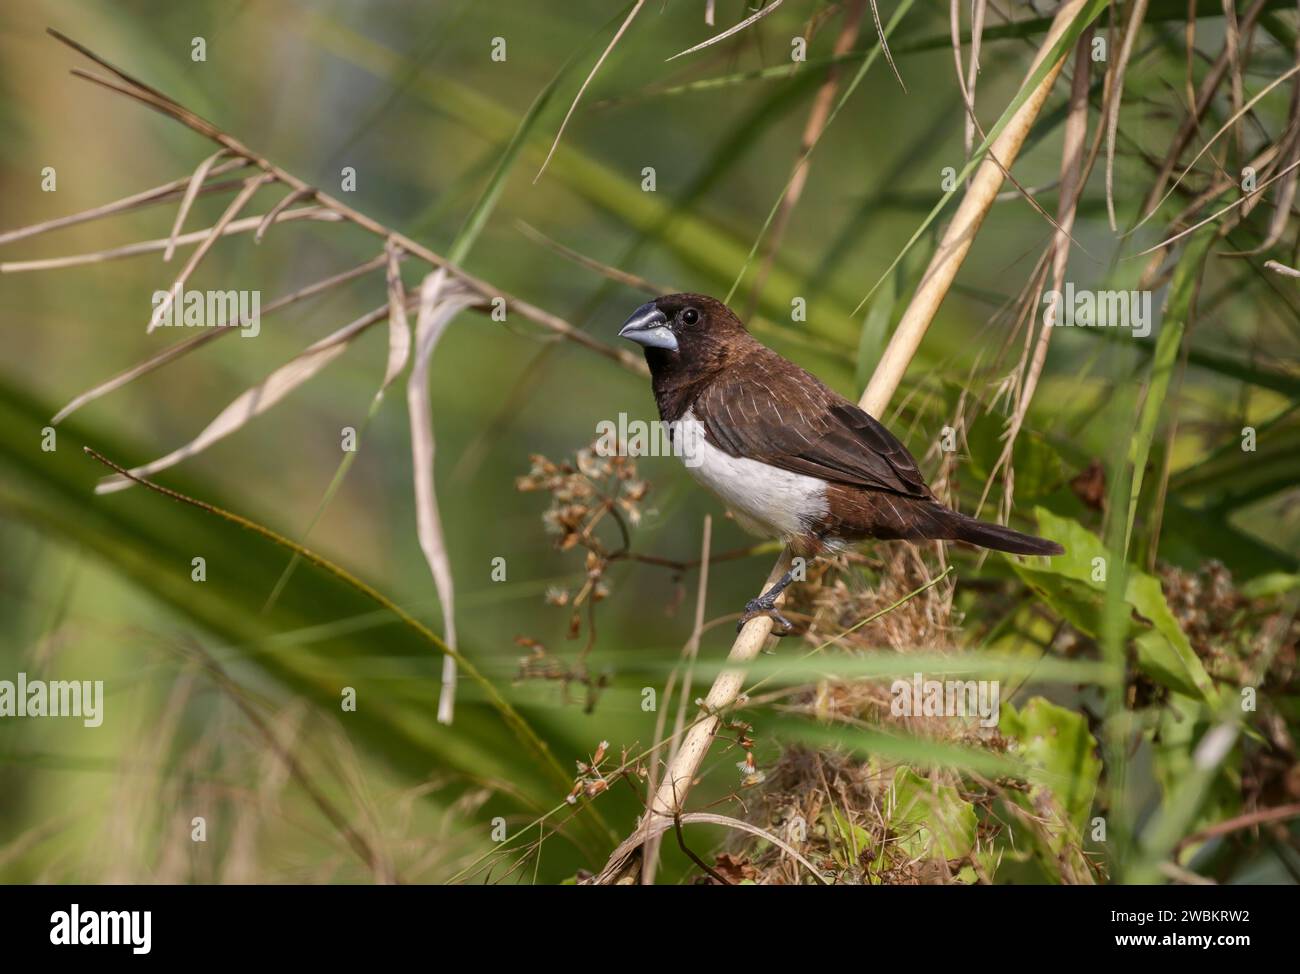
{"points": [[766, 500]]}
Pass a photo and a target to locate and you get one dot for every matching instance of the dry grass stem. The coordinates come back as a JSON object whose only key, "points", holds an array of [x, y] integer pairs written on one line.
{"points": [[1116, 96], [148, 197], [752, 18], [439, 304], [636, 9]]}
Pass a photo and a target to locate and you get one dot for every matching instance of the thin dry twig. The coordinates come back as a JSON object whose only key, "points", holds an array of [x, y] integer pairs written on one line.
{"points": [[629, 845], [1236, 89], [884, 45], [634, 281], [1073, 176], [978, 8], [969, 102], [256, 400], [1232, 120], [960, 234], [1263, 816], [1214, 216], [1205, 95], [291, 197], [251, 186]]}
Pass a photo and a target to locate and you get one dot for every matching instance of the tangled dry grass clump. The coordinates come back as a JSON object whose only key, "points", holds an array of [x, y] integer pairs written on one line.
{"points": [[843, 813], [857, 818], [843, 591], [887, 601], [1234, 631], [1248, 641]]}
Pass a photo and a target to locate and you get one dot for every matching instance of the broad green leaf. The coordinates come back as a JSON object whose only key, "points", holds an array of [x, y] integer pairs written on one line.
{"points": [[847, 840], [1074, 584], [1274, 583], [1182, 723], [931, 818], [1056, 740]]}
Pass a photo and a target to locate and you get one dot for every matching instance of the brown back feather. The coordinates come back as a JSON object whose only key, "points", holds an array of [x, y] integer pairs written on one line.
{"points": [[766, 408]]}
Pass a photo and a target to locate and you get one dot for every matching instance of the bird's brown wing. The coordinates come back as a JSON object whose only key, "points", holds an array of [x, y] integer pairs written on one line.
{"points": [[769, 409]]}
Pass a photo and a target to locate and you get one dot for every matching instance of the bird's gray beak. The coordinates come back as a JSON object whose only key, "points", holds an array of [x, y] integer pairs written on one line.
{"points": [[648, 326]]}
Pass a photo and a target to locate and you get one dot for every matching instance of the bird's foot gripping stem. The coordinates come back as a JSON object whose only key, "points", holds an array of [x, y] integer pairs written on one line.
{"points": [[765, 605]]}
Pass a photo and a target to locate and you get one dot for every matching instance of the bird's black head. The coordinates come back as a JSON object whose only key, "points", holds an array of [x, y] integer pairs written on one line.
{"points": [[685, 332]]}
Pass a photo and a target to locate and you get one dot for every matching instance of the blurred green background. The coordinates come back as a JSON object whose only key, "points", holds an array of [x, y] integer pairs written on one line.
{"points": [[98, 587]]}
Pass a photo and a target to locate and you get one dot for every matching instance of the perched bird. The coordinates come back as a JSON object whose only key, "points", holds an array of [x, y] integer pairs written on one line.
{"points": [[791, 458]]}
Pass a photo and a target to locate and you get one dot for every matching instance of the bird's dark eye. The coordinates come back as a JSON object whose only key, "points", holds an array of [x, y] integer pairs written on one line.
{"points": [[690, 316]]}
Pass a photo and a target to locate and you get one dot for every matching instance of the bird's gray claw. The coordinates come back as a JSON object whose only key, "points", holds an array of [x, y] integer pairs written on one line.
{"points": [[765, 607]]}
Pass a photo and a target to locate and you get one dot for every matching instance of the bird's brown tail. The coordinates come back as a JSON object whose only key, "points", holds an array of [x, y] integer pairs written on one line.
{"points": [[997, 537]]}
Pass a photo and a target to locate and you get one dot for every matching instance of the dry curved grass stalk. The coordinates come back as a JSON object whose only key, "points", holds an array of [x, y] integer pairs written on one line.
{"points": [[690, 652], [159, 194], [627, 849], [1116, 97], [1220, 212], [1205, 94], [1232, 120], [149, 246], [438, 306], [978, 9], [251, 186], [636, 9], [1073, 175], [191, 193], [884, 45], [968, 100], [735, 29], [273, 214], [399, 329], [960, 234], [257, 399]]}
